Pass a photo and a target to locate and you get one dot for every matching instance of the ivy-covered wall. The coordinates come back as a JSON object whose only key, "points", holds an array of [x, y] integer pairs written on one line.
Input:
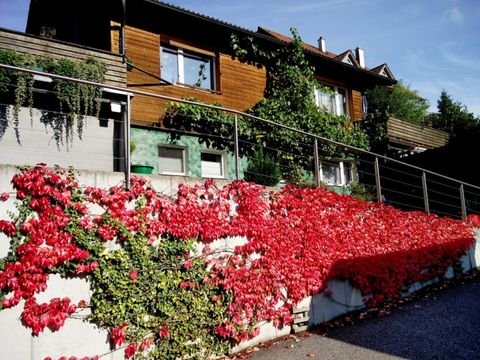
{"points": [[146, 151]]}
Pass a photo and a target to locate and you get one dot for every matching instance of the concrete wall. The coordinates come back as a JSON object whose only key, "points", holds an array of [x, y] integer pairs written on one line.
{"points": [[79, 338], [36, 143]]}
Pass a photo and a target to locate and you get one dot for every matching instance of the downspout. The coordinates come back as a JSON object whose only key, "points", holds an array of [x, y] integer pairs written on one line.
{"points": [[122, 35]]}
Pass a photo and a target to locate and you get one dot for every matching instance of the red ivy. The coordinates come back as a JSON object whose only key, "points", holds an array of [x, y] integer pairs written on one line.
{"points": [[298, 239]]}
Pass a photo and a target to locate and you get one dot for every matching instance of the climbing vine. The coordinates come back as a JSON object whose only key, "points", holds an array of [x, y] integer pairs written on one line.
{"points": [[74, 101], [288, 100]]}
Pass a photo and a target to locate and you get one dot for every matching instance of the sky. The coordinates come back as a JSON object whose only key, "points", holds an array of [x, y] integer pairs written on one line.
{"points": [[431, 45]]}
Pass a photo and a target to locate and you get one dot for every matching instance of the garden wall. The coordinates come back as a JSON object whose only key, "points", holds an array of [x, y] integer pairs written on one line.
{"points": [[79, 338]]}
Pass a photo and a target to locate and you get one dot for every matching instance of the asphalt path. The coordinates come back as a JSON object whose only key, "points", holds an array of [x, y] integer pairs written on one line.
{"points": [[443, 325]]}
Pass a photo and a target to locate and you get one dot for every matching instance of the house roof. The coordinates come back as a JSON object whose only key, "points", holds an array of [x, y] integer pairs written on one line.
{"points": [[348, 54], [288, 39], [383, 70], [215, 31], [334, 61]]}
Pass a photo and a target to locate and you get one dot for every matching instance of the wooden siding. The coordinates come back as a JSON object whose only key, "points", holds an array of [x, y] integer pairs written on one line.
{"points": [[116, 73], [407, 132], [239, 85], [356, 107]]}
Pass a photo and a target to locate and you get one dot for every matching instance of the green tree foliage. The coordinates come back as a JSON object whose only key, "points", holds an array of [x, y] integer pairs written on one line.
{"points": [[376, 118], [263, 170], [406, 104], [453, 117], [398, 101]]}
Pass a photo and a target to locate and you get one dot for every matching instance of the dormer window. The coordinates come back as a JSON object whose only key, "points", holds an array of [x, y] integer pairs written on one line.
{"points": [[182, 66], [348, 60]]}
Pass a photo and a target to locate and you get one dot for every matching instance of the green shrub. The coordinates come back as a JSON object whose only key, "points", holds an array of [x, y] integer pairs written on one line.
{"points": [[264, 170]]}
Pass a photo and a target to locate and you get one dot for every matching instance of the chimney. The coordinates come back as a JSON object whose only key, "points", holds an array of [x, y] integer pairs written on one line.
{"points": [[321, 44], [360, 54]]}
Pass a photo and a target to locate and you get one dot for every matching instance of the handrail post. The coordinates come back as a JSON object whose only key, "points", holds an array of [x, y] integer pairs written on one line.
{"points": [[377, 180], [425, 192], [126, 124], [235, 147], [462, 200], [316, 161]]}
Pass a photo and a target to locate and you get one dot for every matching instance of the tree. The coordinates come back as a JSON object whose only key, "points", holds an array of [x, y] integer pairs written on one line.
{"points": [[376, 118], [398, 101], [453, 117], [406, 104]]}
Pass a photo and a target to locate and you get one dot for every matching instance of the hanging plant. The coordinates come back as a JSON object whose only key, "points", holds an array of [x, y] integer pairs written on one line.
{"points": [[75, 101]]}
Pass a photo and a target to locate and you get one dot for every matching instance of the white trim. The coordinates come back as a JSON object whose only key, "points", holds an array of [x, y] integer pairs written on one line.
{"points": [[223, 164], [180, 66], [340, 164], [338, 104], [180, 81], [184, 160], [342, 176]]}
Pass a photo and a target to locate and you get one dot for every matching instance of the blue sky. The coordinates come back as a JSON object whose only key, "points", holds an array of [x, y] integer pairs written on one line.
{"points": [[430, 44]]}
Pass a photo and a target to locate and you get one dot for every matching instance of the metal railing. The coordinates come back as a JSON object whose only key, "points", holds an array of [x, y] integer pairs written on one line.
{"points": [[322, 160]]}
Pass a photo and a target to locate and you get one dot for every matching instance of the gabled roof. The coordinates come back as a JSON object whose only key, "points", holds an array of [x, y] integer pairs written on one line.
{"points": [[348, 57], [383, 70], [155, 14]]}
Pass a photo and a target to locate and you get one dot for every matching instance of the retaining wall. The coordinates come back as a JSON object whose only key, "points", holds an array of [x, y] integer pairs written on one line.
{"points": [[79, 338]]}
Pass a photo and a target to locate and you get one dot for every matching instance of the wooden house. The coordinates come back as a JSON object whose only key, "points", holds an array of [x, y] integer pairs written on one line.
{"points": [[170, 47]]}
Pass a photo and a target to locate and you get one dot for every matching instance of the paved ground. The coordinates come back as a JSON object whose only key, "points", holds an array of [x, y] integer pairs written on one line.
{"points": [[444, 326]]}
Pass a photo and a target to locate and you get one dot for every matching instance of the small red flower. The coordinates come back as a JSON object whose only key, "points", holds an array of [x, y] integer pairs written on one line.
{"points": [[4, 196]]}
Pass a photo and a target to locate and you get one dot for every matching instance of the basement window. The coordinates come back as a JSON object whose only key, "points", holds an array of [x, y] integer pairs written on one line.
{"points": [[213, 164], [338, 173], [186, 67], [171, 160]]}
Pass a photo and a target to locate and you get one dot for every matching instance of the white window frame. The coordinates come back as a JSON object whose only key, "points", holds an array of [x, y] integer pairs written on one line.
{"points": [[342, 179], [184, 160], [337, 103], [223, 164], [181, 66]]}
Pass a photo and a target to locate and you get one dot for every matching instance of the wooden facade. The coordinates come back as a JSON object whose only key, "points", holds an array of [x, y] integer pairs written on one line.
{"points": [[115, 75], [149, 24], [239, 85], [356, 105]]}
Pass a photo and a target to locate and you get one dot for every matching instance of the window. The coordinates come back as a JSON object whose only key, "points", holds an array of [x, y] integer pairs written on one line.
{"points": [[171, 160], [213, 164], [364, 104], [181, 66], [334, 102], [336, 172]]}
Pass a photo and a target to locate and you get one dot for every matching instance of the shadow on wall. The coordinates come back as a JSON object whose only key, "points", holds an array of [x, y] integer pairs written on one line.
{"points": [[3, 120]]}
